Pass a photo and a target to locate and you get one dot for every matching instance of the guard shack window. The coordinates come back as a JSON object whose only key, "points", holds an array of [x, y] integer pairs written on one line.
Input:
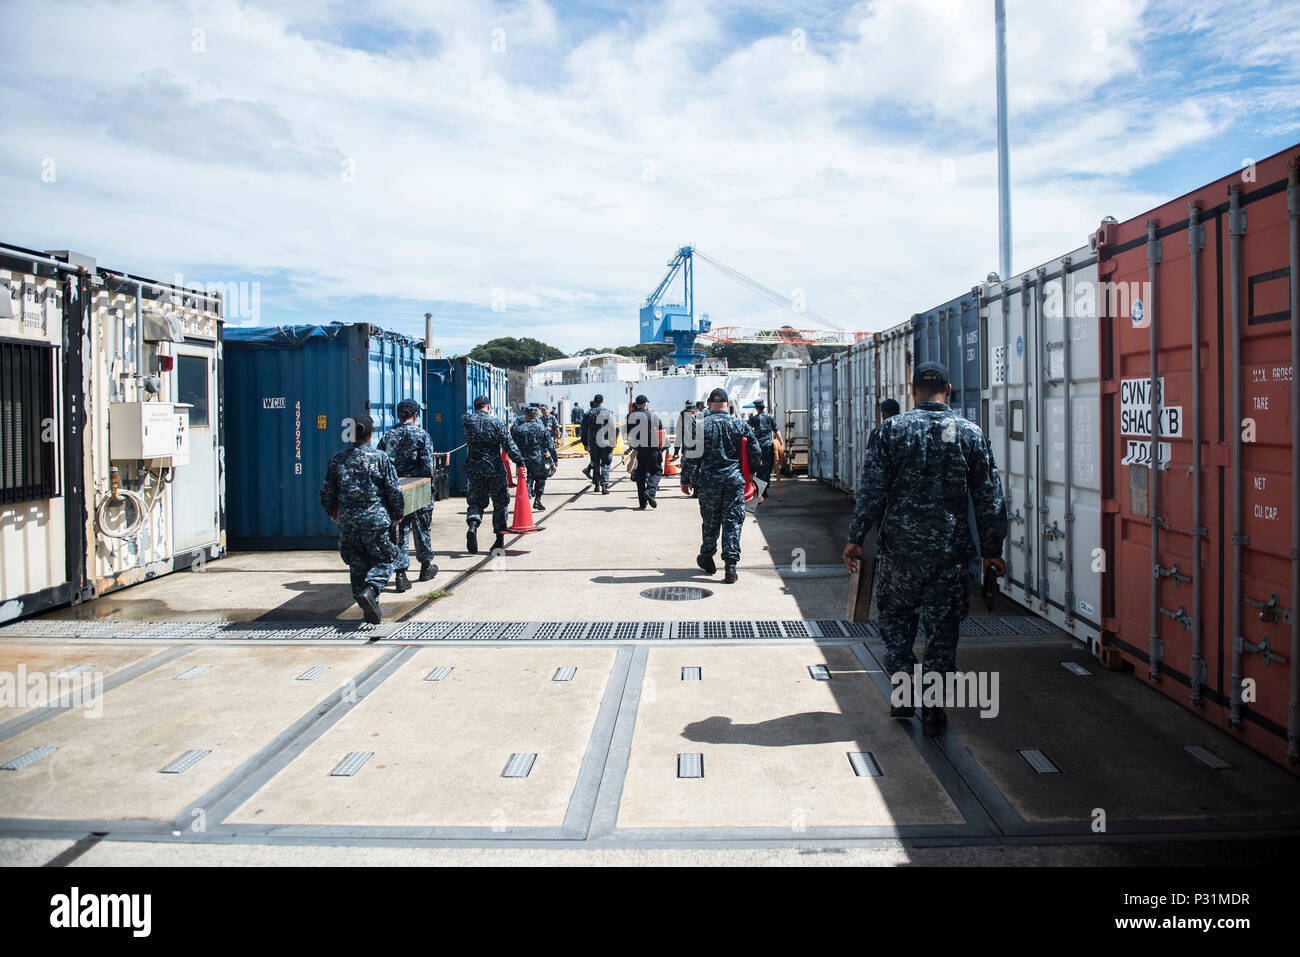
{"points": [[29, 439], [192, 387]]}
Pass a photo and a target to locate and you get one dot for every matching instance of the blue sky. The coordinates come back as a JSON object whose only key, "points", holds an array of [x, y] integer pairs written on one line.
{"points": [[529, 168]]}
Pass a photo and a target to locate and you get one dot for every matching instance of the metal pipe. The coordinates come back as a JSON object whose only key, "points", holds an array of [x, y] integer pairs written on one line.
{"points": [[1040, 460], [1293, 213], [1236, 229], [27, 256], [1155, 650], [1066, 414], [1196, 243], [1006, 412], [961, 355], [1004, 174], [428, 335], [1025, 283]]}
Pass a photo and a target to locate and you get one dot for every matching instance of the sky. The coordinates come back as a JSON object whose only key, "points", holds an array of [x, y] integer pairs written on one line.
{"points": [[529, 168]]}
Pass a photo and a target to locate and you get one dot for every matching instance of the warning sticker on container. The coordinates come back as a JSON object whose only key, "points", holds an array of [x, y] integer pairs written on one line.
{"points": [[1135, 410], [1139, 453]]}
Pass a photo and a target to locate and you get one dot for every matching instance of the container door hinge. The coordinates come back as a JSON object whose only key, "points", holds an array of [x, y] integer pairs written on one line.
{"points": [[1174, 574], [1240, 539], [1159, 522], [1262, 649], [1110, 506], [1184, 620], [1153, 252], [1201, 530]]}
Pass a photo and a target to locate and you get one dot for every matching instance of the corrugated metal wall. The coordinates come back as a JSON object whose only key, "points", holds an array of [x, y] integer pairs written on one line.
{"points": [[289, 394], [451, 386]]}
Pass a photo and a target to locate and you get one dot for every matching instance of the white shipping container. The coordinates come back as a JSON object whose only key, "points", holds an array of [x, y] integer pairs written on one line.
{"points": [[788, 402], [821, 420], [33, 530], [1044, 424]]}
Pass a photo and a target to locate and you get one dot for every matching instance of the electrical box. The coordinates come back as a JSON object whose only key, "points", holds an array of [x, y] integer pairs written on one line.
{"points": [[147, 430]]}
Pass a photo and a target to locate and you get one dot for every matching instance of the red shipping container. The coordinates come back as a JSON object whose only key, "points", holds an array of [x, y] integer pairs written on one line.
{"points": [[1199, 532]]}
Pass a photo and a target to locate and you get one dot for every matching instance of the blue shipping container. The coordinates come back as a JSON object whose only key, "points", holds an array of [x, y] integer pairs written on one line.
{"points": [[289, 390], [450, 387], [950, 334]]}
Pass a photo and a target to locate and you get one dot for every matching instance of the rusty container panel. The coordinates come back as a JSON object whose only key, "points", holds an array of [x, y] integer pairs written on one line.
{"points": [[1198, 517]]}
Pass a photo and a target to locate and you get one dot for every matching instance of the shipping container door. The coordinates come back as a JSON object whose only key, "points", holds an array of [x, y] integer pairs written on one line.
{"points": [[1204, 284], [840, 364], [194, 485]]}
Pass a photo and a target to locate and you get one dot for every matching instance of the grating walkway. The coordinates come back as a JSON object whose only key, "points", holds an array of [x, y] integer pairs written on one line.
{"points": [[1008, 626]]}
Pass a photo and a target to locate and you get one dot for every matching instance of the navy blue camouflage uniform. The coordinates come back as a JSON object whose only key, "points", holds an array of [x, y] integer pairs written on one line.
{"points": [[362, 490], [919, 470], [711, 463], [485, 474], [764, 427], [536, 444], [411, 451], [643, 428], [598, 427]]}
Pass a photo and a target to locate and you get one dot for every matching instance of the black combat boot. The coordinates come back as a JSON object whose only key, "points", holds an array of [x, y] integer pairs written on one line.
{"points": [[933, 721], [604, 490], [902, 711], [537, 504], [471, 540], [650, 500], [730, 576], [706, 562], [402, 583], [368, 601], [587, 471], [427, 571], [500, 543]]}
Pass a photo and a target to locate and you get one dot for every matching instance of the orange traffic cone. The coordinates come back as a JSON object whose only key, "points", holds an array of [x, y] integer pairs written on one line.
{"points": [[523, 520], [670, 467]]}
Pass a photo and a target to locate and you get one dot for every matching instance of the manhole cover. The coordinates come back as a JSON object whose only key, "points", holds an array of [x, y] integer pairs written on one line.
{"points": [[676, 593]]}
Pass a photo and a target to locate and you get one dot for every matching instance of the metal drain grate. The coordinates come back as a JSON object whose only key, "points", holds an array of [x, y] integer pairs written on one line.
{"points": [[31, 757], [688, 629], [865, 765], [311, 674], [513, 630], [692, 674], [715, 629], [600, 629], [740, 629], [1039, 761], [819, 672], [768, 629], [437, 674], [795, 629], [830, 628], [690, 765], [351, 764], [652, 629], [464, 630], [184, 762], [676, 593], [565, 674], [626, 630], [1076, 669], [192, 673], [519, 765], [1206, 757]]}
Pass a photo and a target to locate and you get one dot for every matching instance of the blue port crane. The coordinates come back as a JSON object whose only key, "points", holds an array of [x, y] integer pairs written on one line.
{"points": [[674, 322]]}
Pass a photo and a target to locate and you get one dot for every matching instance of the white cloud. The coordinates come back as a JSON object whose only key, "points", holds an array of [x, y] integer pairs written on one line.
{"points": [[566, 169]]}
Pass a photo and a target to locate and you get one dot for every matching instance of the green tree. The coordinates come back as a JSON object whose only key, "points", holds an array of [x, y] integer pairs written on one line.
{"points": [[507, 352]]}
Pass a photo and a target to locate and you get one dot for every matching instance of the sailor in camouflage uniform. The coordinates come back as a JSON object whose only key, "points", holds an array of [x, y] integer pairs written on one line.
{"points": [[552, 424], [485, 474], [918, 475], [598, 436], [643, 429], [536, 444], [712, 464], [361, 493], [411, 451], [764, 427]]}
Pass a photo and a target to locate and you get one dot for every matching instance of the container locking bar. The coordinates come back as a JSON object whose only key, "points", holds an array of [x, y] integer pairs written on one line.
{"points": [[1262, 649], [1271, 610], [1174, 574], [1018, 542], [1053, 531], [1017, 517], [1184, 620], [1058, 560]]}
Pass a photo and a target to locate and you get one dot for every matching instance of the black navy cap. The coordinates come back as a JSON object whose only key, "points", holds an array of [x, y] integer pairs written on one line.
{"points": [[690, 403], [930, 375], [758, 403], [718, 395], [641, 400]]}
